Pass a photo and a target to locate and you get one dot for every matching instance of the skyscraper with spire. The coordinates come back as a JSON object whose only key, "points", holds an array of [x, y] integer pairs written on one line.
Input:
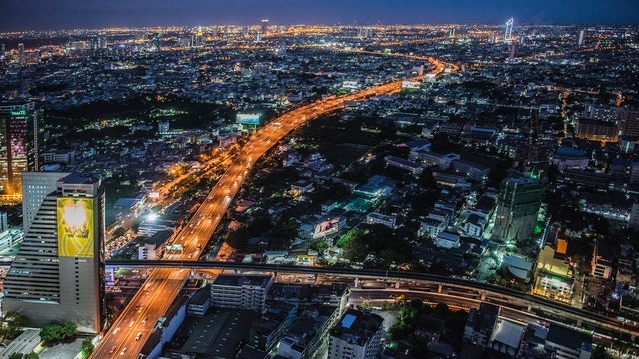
{"points": [[509, 30]]}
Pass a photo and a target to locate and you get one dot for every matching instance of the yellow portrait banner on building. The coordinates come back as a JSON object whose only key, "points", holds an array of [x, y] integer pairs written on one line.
{"points": [[75, 227]]}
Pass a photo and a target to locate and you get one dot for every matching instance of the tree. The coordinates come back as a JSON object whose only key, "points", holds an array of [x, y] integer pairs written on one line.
{"points": [[238, 238], [31, 356], [319, 245], [285, 228], [51, 333], [118, 232], [600, 353], [87, 347], [69, 330], [12, 325], [16, 356]]}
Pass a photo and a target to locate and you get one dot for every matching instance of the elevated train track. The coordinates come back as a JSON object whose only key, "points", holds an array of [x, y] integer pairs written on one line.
{"points": [[506, 297]]}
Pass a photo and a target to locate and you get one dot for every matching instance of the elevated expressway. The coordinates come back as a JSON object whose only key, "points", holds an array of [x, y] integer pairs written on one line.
{"points": [[412, 282], [129, 332]]}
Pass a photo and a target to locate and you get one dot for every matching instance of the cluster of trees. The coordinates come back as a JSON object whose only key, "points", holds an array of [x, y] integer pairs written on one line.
{"points": [[56, 333], [11, 325], [24, 356], [377, 247], [262, 224], [404, 328]]}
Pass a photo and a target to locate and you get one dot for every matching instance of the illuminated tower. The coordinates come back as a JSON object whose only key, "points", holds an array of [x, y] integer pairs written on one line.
{"points": [[580, 42], [509, 30], [19, 152], [518, 203], [264, 26], [58, 273], [22, 59]]}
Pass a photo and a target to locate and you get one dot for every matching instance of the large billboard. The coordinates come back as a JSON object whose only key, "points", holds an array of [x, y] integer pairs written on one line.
{"points": [[248, 118], [326, 227], [75, 227]]}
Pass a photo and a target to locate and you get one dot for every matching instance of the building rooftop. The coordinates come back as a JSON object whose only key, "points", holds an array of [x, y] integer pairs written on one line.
{"points": [[238, 280], [357, 327], [569, 337]]}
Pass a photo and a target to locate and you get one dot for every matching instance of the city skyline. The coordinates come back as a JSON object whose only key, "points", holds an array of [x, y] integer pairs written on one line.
{"points": [[74, 14]]}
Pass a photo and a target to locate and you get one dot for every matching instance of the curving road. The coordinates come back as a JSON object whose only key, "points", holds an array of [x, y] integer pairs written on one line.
{"points": [[164, 284]]}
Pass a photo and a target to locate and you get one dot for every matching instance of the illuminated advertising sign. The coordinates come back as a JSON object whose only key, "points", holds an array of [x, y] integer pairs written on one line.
{"points": [[248, 118], [19, 113], [75, 227], [326, 227]]}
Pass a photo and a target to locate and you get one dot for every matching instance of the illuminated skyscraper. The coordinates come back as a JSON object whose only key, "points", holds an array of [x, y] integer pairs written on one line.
{"points": [[19, 152], [264, 26], [509, 30], [58, 273], [22, 58], [518, 203], [580, 42]]}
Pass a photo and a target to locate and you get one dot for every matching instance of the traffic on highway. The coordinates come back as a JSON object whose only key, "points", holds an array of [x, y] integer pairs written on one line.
{"points": [[164, 284]]}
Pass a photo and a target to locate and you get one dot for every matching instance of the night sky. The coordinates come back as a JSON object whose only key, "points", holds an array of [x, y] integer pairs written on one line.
{"points": [[19, 15]]}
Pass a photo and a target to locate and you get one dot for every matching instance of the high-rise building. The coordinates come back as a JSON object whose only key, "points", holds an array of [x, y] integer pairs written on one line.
{"points": [[511, 51], [58, 273], [509, 30], [357, 335], [19, 134], [580, 42], [264, 28], [22, 57], [518, 203]]}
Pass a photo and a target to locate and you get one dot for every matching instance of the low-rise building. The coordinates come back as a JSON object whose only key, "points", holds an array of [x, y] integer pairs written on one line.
{"points": [[378, 218], [568, 343], [481, 324], [239, 291], [431, 227], [357, 335], [447, 240]]}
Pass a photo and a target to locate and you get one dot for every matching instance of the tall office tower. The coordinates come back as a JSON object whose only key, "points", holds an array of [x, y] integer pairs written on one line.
{"points": [[22, 58], [357, 335], [511, 51], [518, 203], [281, 50], [3, 49], [58, 273], [580, 42], [19, 138], [156, 41], [509, 30], [264, 26]]}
